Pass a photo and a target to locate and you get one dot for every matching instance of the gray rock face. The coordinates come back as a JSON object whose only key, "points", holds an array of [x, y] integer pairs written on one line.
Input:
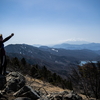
{"points": [[72, 96], [62, 96], [15, 81], [22, 98], [27, 91]]}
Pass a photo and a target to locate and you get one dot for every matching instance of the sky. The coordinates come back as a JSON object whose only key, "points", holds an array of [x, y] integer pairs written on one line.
{"points": [[49, 22]]}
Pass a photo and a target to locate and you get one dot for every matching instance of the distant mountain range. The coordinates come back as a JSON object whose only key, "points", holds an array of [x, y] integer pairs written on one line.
{"points": [[90, 46], [58, 60], [72, 42], [78, 42]]}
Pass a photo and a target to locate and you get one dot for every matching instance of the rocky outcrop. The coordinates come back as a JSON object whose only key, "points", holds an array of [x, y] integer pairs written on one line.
{"points": [[14, 81], [62, 96], [15, 85], [27, 91]]}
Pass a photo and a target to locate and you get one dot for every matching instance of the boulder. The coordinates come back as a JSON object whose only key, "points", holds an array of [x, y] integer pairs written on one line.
{"points": [[22, 98], [27, 91], [15, 81], [72, 96], [62, 96]]}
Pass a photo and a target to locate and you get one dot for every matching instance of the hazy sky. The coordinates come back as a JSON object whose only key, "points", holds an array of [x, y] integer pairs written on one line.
{"points": [[50, 21]]}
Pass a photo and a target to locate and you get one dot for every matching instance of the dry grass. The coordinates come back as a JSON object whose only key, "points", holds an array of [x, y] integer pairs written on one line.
{"points": [[37, 84], [44, 88]]}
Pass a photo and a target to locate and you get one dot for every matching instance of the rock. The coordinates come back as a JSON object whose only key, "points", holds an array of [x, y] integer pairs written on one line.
{"points": [[22, 98], [27, 91], [2, 81], [15, 81], [63, 96], [64, 92], [72, 96]]}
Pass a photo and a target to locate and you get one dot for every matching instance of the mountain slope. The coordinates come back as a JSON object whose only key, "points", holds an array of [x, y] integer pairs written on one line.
{"points": [[36, 56], [57, 60], [83, 54]]}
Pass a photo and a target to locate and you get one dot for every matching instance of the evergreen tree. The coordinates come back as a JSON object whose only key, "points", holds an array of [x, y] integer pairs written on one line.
{"points": [[23, 61]]}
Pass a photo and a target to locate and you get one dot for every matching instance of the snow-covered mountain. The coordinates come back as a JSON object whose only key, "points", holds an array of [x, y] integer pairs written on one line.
{"points": [[76, 42], [90, 46]]}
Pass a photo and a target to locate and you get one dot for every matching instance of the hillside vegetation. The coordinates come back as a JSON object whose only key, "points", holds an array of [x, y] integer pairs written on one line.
{"points": [[35, 71]]}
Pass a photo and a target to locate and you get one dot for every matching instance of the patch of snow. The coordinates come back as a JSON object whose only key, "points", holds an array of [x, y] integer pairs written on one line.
{"points": [[55, 50]]}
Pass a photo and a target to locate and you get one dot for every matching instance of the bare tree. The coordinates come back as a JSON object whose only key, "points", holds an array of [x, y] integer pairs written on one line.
{"points": [[87, 78]]}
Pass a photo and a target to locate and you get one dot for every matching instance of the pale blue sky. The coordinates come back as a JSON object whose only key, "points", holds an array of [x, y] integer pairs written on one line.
{"points": [[50, 21]]}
